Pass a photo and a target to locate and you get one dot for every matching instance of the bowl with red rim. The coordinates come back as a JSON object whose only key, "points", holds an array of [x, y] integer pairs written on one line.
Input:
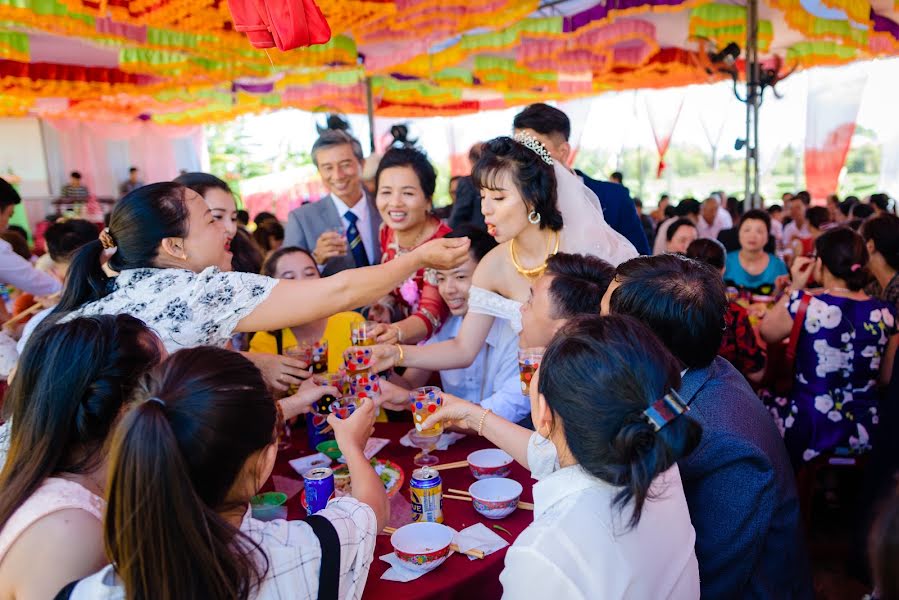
{"points": [[490, 462], [495, 498], [422, 546]]}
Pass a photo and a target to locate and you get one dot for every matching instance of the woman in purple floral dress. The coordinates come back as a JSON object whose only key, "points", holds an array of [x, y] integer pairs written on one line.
{"points": [[844, 353]]}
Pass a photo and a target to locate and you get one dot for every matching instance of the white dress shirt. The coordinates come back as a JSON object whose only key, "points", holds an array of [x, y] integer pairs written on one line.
{"points": [[792, 232], [363, 224], [294, 556], [722, 220], [579, 546], [18, 272], [492, 380]]}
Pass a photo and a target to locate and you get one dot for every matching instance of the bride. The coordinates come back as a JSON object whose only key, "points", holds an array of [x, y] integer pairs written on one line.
{"points": [[534, 207]]}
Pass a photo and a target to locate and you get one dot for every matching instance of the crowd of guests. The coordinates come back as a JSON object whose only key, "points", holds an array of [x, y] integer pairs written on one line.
{"points": [[143, 410]]}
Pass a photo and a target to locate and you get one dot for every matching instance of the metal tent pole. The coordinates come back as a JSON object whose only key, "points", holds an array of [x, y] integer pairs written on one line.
{"points": [[753, 98], [370, 103]]}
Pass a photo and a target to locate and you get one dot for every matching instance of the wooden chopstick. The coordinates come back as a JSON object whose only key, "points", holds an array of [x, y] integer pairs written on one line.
{"points": [[453, 547], [452, 465], [327, 429], [467, 496], [34, 308]]}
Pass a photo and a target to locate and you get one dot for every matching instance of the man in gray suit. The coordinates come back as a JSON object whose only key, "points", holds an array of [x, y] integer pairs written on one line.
{"points": [[341, 229]]}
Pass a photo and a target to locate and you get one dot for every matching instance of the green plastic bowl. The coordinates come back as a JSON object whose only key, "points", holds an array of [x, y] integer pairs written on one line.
{"points": [[269, 499], [330, 449]]}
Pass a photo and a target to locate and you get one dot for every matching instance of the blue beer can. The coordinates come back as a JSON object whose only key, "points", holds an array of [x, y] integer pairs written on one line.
{"points": [[319, 488]]}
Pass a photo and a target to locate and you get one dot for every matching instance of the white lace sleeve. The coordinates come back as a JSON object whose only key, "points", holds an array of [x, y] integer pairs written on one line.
{"points": [[5, 431], [224, 298], [485, 302]]}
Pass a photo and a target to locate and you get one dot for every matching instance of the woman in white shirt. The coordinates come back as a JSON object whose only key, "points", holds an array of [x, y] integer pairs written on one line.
{"points": [[185, 462], [610, 518], [170, 254]]}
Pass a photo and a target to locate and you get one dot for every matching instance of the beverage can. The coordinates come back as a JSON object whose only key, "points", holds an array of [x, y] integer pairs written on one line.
{"points": [[426, 489], [315, 423], [319, 488]]}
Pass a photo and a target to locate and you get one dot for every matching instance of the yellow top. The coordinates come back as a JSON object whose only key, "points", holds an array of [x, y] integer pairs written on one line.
{"points": [[337, 334]]}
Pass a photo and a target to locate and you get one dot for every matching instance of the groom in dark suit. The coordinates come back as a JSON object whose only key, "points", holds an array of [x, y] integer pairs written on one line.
{"points": [[552, 128], [341, 229]]}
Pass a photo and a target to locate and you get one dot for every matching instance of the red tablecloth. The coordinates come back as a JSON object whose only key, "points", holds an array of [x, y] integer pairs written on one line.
{"points": [[458, 577]]}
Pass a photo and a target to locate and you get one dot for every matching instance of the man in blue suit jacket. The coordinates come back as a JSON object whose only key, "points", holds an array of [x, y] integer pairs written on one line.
{"points": [[738, 482], [552, 128]]}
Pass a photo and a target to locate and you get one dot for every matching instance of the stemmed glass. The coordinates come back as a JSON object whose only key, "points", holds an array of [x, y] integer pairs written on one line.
{"points": [[425, 401], [425, 443]]}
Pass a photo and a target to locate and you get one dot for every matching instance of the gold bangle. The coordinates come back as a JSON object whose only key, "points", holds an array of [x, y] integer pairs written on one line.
{"points": [[402, 355], [399, 333], [481, 422]]}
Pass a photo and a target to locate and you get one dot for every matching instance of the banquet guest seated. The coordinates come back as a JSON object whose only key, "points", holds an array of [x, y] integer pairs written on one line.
{"points": [[492, 380], [881, 235], [63, 239], [341, 228], [246, 255], [817, 219], [797, 228], [861, 211], [751, 268], [738, 482], [70, 387], [688, 208], [660, 213], [202, 438], [552, 128], [679, 234], [406, 181], [713, 218], [15, 270], [297, 264], [776, 212], [269, 236], [739, 345], [572, 285], [649, 228], [75, 190], [608, 486], [132, 183], [845, 350], [243, 219], [168, 255]]}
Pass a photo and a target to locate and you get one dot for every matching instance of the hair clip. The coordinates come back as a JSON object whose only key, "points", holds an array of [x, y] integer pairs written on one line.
{"points": [[532, 143], [106, 239], [665, 409], [157, 400], [855, 267]]}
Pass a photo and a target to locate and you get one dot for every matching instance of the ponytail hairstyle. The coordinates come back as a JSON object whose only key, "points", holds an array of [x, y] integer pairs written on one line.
{"points": [[174, 460], [598, 376], [883, 230], [72, 382], [843, 252], [535, 179], [138, 224]]}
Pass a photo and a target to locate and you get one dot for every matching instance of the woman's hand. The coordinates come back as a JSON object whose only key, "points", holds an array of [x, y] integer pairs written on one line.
{"points": [[307, 395], [387, 334], [442, 253], [383, 357], [781, 283], [353, 432], [393, 397], [455, 411], [801, 271], [279, 372]]}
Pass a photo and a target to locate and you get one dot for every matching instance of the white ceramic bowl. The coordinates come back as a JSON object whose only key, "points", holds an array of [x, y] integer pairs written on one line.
{"points": [[491, 462], [495, 498], [422, 546]]}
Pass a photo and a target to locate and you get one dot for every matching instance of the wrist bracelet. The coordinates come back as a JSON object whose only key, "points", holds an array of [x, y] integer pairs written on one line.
{"points": [[481, 422], [399, 333], [402, 355]]}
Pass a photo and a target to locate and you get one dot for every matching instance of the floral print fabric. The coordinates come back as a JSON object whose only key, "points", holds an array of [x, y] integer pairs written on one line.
{"points": [[184, 308], [833, 402]]}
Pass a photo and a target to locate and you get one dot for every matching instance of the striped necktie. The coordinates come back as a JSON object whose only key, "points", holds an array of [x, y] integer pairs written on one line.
{"points": [[355, 240]]}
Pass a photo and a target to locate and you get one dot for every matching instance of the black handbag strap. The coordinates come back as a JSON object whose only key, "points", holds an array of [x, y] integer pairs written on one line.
{"points": [[329, 571], [66, 592]]}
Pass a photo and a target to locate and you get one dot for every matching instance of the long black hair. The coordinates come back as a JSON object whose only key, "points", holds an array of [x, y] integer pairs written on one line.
{"points": [[174, 461], [72, 382], [598, 376], [139, 223], [844, 253], [884, 231]]}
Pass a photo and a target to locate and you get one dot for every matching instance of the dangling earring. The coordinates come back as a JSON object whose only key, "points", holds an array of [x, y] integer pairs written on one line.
{"points": [[534, 217]]}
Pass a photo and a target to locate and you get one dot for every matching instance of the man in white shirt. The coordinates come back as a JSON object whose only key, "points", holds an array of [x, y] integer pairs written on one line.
{"points": [[341, 229], [15, 270], [492, 379], [798, 227], [712, 219]]}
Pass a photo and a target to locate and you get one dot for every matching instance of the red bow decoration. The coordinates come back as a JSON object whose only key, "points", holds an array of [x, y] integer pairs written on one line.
{"points": [[285, 24]]}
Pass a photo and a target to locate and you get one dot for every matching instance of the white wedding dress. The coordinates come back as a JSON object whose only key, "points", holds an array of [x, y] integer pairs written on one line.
{"points": [[584, 231]]}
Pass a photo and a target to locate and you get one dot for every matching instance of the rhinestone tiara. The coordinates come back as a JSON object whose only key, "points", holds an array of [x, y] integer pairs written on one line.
{"points": [[534, 144]]}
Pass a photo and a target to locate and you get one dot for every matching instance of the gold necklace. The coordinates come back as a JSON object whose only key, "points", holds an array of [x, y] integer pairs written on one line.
{"points": [[536, 271]]}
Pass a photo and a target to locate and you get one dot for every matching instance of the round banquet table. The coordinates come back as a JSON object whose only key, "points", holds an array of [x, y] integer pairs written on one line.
{"points": [[458, 577]]}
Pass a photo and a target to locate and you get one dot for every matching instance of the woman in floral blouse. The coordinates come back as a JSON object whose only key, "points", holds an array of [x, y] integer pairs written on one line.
{"points": [[169, 254], [405, 185], [845, 351]]}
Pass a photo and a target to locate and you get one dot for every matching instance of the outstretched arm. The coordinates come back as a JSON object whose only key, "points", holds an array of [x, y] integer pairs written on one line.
{"points": [[294, 302]]}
